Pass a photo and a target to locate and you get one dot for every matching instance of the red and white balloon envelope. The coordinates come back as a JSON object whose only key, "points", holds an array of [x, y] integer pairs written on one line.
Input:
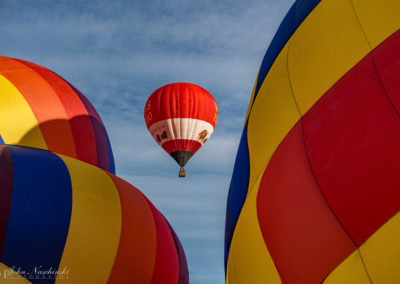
{"points": [[181, 118]]}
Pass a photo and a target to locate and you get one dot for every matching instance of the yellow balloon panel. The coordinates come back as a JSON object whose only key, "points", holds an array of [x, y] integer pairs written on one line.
{"points": [[378, 20], [351, 271], [251, 101], [327, 45], [10, 276], [273, 114], [16, 117], [381, 253], [93, 229], [249, 260]]}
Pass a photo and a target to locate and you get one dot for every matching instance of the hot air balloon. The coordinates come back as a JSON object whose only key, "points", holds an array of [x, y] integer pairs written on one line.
{"points": [[314, 196], [64, 215], [40, 109], [59, 214], [181, 118]]}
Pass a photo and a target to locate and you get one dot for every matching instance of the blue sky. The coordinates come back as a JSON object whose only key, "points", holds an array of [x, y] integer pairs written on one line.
{"points": [[118, 52]]}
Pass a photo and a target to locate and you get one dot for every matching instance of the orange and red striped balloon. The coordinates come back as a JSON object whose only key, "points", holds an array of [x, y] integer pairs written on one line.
{"points": [[40, 109]]}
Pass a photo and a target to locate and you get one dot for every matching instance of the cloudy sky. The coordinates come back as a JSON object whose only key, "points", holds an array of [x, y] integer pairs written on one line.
{"points": [[118, 52]]}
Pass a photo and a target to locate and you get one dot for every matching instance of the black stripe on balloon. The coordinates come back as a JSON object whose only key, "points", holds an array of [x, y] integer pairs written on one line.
{"points": [[181, 157]]}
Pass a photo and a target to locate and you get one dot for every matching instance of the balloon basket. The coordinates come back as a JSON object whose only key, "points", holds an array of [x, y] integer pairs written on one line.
{"points": [[182, 173]]}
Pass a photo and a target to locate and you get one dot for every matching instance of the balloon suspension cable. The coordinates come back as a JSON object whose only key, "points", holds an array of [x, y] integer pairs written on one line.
{"points": [[182, 172]]}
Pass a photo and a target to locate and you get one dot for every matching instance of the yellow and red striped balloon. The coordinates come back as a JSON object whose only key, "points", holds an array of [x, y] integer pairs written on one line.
{"points": [[315, 192], [62, 208]]}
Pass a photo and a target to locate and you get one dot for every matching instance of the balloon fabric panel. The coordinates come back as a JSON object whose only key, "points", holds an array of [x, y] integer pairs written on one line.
{"points": [[96, 214], [295, 219], [76, 114], [274, 109], [183, 268], [296, 15], [40, 196], [381, 251], [17, 278], [138, 237], [6, 186], [237, 190], [319, 53], [166, 267], [20, 120], [353, 133], [351, 270], [104, 151]]}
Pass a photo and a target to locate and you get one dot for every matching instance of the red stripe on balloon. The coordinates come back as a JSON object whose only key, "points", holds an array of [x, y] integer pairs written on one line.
{"points": [[102, 143], [183, 268], [77, 114], [353, 136], [181, 145], [6, 188], [181, 100], [302, 235], [138, 237], [166, 267]]}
